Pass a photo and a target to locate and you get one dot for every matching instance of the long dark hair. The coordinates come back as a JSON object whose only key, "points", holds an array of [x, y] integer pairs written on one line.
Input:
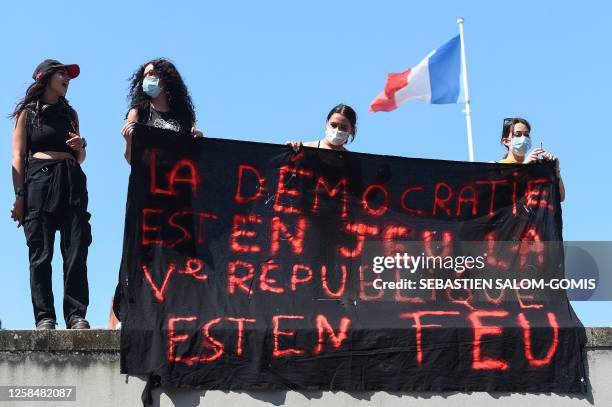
{"points": [[508, 127], [32, 98], [349, 113], [176, 92]]}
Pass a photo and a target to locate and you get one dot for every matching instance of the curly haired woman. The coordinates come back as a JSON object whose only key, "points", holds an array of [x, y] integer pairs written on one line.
{"points": [[159, 98]]}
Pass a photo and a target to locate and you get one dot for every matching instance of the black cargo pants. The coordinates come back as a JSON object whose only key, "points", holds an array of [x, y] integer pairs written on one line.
{"points": [[56, 200]]}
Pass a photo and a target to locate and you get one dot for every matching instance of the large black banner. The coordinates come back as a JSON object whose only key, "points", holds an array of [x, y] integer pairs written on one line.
{"points": [[248, 266]]}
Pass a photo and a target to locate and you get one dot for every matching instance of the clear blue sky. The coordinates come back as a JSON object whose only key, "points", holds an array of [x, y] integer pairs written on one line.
{"points": [[270, 71]]}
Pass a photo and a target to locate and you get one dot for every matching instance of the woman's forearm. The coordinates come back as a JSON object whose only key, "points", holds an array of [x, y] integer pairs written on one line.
{"points": [[81, 155], [18, 172], [561, 189], [127, 153]]}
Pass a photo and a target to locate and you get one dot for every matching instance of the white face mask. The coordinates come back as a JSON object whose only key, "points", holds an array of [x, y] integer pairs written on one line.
{"points": [[336, 137], [520, 145], [150, 86]]}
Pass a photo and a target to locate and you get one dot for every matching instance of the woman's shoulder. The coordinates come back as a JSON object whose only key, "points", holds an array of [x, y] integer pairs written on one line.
{"points": [[311, 143], [508, 161], [132, 114]]}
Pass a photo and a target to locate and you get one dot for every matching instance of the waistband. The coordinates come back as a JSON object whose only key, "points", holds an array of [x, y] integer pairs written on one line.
{"points": [[66, 177]]}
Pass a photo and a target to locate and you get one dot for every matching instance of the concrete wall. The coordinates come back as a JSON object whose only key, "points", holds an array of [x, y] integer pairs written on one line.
{"points": [[89, 360]]}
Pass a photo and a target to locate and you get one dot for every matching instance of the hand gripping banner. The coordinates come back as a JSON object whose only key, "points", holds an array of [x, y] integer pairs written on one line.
{"points": [[249, 266]]}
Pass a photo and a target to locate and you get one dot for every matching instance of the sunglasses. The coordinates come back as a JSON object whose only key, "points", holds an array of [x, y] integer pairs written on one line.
{"points": [[508, 121]]}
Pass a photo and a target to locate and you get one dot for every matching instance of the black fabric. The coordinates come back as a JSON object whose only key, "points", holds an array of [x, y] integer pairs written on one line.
{"points": [[153, 382], [65, 185], [50, 132], [164, 120], [56, 200], [191, 218], [167, 121]]}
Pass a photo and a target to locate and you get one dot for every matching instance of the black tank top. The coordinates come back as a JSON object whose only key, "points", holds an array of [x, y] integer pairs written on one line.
{"points": [[164, 120], [55, 124]]}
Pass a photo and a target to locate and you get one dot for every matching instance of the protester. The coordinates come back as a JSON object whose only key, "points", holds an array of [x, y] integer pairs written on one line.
{"points": [[516, 137], [341, 126], [159, 98], [51, 192]]}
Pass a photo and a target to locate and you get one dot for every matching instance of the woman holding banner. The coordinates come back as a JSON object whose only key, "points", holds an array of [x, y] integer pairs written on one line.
{"points": [[341, 125], [159, 98], [516, 137], [51, 192]]}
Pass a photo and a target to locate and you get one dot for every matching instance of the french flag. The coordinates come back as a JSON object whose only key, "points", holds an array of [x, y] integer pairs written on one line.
{"points": [[436, 79]]}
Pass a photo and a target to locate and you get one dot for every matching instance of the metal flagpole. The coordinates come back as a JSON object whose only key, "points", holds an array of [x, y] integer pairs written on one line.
{"points": [[468, 111]]}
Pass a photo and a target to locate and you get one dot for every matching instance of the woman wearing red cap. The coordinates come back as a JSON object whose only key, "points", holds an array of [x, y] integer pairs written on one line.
{"points": [[51, 192]]}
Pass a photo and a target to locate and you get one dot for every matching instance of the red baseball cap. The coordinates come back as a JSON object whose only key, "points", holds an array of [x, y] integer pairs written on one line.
{"points": [[48, 64]]}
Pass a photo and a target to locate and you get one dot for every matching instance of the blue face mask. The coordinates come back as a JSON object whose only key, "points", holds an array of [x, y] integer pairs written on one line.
{"points": [[520, 145], [150, 86]]}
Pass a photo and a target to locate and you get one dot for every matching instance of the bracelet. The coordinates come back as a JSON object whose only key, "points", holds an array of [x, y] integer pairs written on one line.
{"points": [[19, 192]]}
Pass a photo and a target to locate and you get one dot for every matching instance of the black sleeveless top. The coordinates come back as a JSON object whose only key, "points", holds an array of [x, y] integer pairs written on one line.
{"points": [[164, 120], [54, 125]]}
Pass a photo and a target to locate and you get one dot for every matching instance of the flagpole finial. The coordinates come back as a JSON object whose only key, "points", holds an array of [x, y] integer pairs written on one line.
{"points": [[460, 20]]}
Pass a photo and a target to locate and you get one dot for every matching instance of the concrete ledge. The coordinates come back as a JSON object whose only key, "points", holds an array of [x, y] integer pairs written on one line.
{"points": [[89, 361], [104, 340], [60, 340], [599, 338]]}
